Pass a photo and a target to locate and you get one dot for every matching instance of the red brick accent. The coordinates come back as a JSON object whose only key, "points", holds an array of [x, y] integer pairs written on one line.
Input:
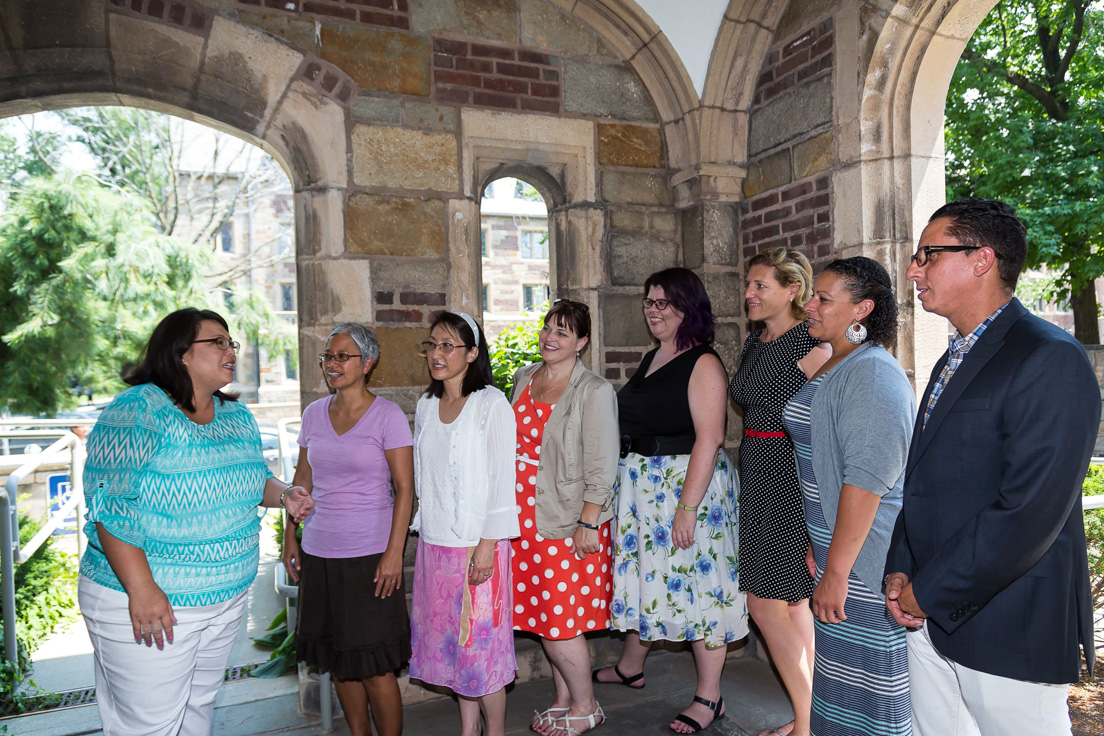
{"points": [[613, 374], [399, 315], [382, 13], [795, 60], [184, 14], [427, 298], [495, 75], [623, 356], [327, 79], [800, 217], [385, 297]]}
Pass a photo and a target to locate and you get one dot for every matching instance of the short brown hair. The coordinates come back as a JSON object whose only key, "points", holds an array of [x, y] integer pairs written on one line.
{"points": [[574, 315]]}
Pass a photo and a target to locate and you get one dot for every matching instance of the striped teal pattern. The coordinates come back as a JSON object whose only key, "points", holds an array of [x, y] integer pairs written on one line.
{"points": [[185, 493], [860, 676]]}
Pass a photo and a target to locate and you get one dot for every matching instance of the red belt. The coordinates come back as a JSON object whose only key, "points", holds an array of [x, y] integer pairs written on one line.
{"points": [[753, 433]]}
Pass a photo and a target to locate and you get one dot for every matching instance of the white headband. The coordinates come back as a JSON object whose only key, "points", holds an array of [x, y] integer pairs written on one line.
{"points": [[471, 323]]}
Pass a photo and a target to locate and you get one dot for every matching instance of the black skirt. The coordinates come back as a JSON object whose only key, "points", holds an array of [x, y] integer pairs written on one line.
{"points": [[343, 628]]}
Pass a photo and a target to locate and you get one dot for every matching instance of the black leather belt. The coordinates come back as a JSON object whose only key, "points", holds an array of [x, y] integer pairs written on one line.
{"points": [[652, 445]]}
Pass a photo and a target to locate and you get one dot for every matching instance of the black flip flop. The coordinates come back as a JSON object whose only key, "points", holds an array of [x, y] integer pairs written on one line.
{"points": [[717, 715], [626, 681]]}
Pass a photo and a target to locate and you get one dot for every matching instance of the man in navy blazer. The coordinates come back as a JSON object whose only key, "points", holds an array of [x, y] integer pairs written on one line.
{"points": [[987, 563]]}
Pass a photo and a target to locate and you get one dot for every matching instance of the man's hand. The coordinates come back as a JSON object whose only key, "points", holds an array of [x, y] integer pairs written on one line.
{"points": [[901, 605]]}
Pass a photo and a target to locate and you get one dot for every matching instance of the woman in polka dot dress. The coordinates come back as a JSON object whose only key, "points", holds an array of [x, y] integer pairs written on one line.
{"points": [[774, 365], [567, 455]]}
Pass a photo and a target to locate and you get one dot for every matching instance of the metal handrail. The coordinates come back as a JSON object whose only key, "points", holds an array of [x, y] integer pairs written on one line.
{"points": [[10, 553]]}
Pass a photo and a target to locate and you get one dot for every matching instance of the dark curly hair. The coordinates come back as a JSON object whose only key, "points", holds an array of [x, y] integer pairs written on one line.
{"points": [[867, 279]]}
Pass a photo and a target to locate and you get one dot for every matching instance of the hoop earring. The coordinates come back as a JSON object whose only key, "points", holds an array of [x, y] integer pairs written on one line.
{"points": [[856, 333]]}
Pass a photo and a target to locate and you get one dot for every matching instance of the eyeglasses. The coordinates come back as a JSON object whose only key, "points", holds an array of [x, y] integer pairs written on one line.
{"points": [[222, 343], [339, 357], [446, 348], [660, 304], [923, 253], [580, 305]]}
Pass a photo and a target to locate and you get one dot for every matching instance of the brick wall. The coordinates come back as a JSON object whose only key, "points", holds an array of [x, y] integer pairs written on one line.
{"points": [[386, 13], [486, 75], [409, 306], [788, 190]]}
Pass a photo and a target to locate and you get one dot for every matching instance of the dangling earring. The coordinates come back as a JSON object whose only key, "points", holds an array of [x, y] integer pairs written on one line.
{"points": [[856, 333]]}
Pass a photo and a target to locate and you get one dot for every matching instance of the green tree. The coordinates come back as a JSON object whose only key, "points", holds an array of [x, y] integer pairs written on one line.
{"points": [[84, 276], [1025, 123]]}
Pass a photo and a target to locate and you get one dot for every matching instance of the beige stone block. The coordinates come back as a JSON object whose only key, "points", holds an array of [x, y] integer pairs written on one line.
{"points": [[396, 226], [491, 19], [547, 27], [814, 155], [300, 33], [409, 274], [376, 59], [404, 159], [628, 187], [622, 26], [623, 320], [435, 117], [333, 291], [400, 364], [768, 173], [628, 220], [154, 51], [662, 222], [251, 62], [464, 262], [633, 257], [320, 222], [629, 145], [308, 131]]}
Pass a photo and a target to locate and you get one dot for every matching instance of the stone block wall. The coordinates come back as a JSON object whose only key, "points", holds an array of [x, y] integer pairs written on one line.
{"points": [[791, 143]]}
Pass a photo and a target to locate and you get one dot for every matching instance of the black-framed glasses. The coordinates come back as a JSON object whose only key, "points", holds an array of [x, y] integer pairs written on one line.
{"points": [[222, 343], [337, 357], [923, 253], [571, 302], [659, 304], [446, 348]]}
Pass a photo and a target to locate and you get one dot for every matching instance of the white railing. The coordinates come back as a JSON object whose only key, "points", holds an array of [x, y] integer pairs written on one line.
{"points": [[10, 551]]}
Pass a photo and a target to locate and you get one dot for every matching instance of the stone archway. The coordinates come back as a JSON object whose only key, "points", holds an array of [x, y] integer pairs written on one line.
{"points": [[890, 144], [184, 60]]}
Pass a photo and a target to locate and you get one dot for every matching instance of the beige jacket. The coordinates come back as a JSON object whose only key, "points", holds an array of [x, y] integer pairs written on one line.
{"points": [[579, 451]]}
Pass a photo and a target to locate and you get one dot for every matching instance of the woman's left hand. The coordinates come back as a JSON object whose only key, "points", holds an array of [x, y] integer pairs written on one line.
{"points": [[682, 530], [829, 597], [298, 502], [585, 542], [388, 574], [481, 564]]}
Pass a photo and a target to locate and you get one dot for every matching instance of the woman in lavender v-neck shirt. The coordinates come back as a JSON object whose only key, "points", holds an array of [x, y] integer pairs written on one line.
{"points": [[353, 621]]}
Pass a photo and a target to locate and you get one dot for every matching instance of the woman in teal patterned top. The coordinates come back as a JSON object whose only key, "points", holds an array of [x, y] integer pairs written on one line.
{"points": [[172, 484]]}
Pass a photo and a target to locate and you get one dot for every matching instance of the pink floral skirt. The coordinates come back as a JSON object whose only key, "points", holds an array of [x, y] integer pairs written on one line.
{"points": [[461, 635]]}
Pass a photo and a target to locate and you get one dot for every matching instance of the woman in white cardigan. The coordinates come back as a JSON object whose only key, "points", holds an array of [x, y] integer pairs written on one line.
{"points": [[464, 436]]}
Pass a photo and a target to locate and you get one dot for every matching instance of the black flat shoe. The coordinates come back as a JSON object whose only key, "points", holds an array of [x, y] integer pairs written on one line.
{"points": [[626, 681], [717, 715]]}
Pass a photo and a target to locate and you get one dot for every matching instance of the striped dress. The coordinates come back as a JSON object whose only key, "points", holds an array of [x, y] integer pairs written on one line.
{"points": [[860, 675]]}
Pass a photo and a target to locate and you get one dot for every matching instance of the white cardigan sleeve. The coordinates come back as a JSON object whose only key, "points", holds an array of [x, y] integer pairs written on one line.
{"points": [[419, 424], [500, 444]]}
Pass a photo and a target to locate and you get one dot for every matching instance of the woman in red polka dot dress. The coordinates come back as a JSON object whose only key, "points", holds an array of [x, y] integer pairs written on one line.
{"points": [[567, 457]]}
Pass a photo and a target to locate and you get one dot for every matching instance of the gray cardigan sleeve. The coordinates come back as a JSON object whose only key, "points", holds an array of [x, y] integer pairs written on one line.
{"points": [[875, 412]]}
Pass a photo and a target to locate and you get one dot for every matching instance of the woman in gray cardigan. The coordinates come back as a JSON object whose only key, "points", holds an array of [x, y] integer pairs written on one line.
{"points": [[851, 425], [567, 452]]}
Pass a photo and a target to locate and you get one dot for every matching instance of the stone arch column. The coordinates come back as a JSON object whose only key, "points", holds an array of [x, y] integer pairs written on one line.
{"points": [[890, 101], [183, 59]]}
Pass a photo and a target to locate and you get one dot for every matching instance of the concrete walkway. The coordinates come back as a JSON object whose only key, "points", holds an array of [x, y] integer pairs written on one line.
{"points": [[753, 696]]}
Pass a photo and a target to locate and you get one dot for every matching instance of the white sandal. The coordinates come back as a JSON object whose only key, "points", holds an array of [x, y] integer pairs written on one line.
{"points": [[591, 725], [546, 718]]}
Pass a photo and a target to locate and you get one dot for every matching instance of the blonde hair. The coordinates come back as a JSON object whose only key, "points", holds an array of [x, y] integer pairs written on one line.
{"points": [[790, 267]]}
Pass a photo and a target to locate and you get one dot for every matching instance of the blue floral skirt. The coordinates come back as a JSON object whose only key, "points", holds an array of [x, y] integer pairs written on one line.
{"points": [[664, 592]]}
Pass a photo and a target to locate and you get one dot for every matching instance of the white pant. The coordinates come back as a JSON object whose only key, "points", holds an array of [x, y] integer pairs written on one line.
{"points": [[144, 691], [951, 700]]}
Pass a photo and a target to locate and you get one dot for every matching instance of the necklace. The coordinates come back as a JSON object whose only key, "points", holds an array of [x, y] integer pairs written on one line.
{"points": [[549, 389]]}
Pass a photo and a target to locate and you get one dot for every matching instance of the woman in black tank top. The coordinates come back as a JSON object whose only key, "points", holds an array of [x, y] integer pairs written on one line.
{"points": [[675, 571]]}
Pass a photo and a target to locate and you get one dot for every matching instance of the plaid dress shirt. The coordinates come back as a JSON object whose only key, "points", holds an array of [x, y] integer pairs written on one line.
{"points": [[958, 348]]}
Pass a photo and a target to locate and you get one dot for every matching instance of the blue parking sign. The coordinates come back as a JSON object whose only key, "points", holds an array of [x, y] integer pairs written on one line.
{"points": [[59, 490]]}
